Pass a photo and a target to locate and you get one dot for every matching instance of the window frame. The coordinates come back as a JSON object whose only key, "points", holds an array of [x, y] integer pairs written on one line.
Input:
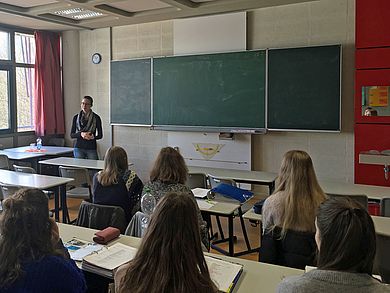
{"points": [[12, 65]]}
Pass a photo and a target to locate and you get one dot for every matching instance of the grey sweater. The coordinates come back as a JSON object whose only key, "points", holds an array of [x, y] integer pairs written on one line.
{"points": [[325, 281]]}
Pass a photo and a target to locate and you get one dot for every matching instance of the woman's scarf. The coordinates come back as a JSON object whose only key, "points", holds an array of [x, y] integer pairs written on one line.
{"points": [[86, 123]]}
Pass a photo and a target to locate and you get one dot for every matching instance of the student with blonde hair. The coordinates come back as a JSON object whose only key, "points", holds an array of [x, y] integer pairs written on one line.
{"points": [[169, 174], [288, 214], [116, 185], [170, 257], [346, 241], [33, 258]]}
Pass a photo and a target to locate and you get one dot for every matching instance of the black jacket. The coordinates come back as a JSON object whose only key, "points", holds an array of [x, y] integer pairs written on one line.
{"points": [[296, 249]]}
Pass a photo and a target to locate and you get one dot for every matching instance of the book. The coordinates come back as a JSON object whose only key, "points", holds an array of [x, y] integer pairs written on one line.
{"points": [[107, 260], [200, 192], [224, 274]]}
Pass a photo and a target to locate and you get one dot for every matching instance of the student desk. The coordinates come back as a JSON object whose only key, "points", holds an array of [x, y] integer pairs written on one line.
{"points": [[31, 155], [74, 162], [372, 192], [256, 277], [40, 182], [241, 176], [224, 209]]}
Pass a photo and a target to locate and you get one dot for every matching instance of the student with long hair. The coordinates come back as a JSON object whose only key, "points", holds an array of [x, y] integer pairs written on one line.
{"points": [[170, 258], [292, 207], [116, 185], [346, 242], [169, 174], [32, 256]]}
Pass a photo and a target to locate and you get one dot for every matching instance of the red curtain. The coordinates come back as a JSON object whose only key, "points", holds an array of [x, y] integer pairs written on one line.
{"points": [[49, 105]]}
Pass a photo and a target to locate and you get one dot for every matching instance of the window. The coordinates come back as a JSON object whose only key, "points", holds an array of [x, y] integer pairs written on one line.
{"points": [[17, 58]]}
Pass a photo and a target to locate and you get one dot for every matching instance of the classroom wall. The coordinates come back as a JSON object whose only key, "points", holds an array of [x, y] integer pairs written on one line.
{"points": [[308, 24]]}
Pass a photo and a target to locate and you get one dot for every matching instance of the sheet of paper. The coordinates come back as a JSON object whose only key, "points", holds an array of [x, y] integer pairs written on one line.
{"points": [[205, 204], [200, 192], [78, 248]]}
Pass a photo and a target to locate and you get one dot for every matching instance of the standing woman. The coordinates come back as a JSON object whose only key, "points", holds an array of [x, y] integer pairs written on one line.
{"points": [[292, 207], [86, 129], [346, 242], [170, 257], [169, 174], [116, 185], [32, 257]]}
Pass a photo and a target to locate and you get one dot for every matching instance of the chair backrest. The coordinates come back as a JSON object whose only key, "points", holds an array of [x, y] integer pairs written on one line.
{"points": [[80, 175], [99, 217], [24, 169], [360, 198], [383, 257], [296, 249], [8, 190], [214, 181], [195, 180], [4, 162], [385, 207]]}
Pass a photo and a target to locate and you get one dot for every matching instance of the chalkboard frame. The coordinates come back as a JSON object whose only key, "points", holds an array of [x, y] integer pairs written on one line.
{"points": [[287, 129]]}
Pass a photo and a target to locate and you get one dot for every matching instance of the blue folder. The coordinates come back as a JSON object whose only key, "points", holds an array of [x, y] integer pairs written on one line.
{"points": [[242, 195]]}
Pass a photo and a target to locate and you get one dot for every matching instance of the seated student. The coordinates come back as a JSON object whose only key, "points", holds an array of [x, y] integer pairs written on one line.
{"points": [[346, 242], [169, 174], [289, 213], [32, 257], [170, 257], [116, 185]]}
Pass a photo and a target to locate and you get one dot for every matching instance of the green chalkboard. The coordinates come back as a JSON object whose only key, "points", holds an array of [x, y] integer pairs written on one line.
{"points": [[304, 88], [130, 92], [214, 91]]}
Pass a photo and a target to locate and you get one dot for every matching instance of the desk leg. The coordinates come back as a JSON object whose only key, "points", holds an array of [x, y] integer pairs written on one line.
{"points": [[271, 187], [248, 245], [57, 204], [63, 203], [231, 236]]}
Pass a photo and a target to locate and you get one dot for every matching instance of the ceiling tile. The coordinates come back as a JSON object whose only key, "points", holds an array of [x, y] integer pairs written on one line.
{"points": [[28, 3], [134, 6]]}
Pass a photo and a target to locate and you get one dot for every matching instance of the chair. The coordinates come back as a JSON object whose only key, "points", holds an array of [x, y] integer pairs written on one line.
{"points": [[359, 198], [81, 186], [4, 162], [8, 190], [383, 257], [99, 217], [195, 180], [214, 182], [385, 207], [296, 249], [29, 170], [24, 169]]}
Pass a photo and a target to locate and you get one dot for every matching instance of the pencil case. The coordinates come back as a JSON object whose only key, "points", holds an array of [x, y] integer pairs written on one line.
{"points": [[106, 235]]}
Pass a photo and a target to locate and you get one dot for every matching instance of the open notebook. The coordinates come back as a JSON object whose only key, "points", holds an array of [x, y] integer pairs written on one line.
{"points": [[224, 274]]}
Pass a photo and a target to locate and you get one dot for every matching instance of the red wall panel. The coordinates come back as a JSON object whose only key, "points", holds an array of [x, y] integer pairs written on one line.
{"points": [[374, 58], [372, 23], [371, 137]]}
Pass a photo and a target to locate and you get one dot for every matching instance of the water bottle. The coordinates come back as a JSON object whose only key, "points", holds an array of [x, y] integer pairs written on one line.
{"points": [[148, 203], [39, 143]]}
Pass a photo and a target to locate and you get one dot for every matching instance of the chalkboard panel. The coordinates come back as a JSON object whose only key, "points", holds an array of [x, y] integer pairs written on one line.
{"points": [[130, 92], [214, 91], [304, 88]]}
